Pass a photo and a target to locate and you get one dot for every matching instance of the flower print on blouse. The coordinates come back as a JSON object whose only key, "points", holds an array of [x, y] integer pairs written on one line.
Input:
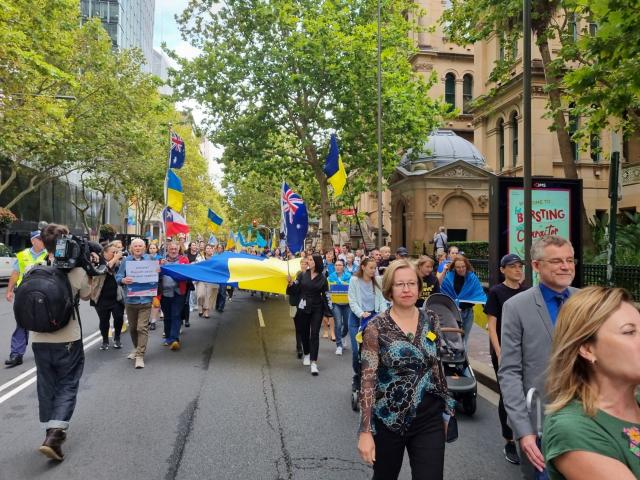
{"points": [[397, 371]]}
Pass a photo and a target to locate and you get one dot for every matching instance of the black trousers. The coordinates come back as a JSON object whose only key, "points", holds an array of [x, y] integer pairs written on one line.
{"points": [[308, 324], [507, 433], [59, 367], [424, 442], [104, 314]]}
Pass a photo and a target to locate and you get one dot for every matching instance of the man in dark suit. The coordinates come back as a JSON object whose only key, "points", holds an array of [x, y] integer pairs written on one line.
{"points": [[528, 320]]}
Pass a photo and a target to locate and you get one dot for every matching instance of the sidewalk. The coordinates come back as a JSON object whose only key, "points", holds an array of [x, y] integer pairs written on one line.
{"points": [[480, 359]]}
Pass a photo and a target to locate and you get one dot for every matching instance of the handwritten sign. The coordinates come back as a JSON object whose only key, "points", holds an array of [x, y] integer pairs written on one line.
{"points": [[143, 271], [550, 212]]}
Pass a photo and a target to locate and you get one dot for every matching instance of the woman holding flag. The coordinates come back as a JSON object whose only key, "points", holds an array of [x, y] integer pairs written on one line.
{"points": [[312, 288], [463, 286]]}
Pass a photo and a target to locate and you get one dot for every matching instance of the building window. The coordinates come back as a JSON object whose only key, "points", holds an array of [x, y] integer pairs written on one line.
{"points": [[514, 138], [450, 89], [574, 124], [594, 144], [593, 28], [467, 92], [573, 26], [501, 50], [501, 144]]}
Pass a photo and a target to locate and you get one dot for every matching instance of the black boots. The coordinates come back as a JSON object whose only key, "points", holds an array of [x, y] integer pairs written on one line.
{"points": [[14, 361], [52, 444]]}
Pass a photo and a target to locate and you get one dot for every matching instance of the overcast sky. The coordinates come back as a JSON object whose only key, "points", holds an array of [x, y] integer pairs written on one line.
{"points": [[166, 30]]}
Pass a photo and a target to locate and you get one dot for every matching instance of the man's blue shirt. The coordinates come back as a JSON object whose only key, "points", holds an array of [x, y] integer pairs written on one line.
{"points": [[553, 301]]}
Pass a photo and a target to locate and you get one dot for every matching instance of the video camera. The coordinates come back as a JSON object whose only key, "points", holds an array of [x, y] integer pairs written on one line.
{"points": [[72, 252]]}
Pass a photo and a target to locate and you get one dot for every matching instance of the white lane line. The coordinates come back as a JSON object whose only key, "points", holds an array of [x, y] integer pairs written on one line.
{"points": [[17, 390], [87, 342], [261, 319], [17, 379]]}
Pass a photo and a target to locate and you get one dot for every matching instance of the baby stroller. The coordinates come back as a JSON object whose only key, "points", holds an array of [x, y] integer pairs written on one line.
{"points": [[460, 378]]}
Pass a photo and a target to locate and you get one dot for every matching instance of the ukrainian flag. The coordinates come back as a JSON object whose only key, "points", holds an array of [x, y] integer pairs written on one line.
{"points": [[240, 270], [231, 244], [214, 221], [334, 168], [174, 191]]}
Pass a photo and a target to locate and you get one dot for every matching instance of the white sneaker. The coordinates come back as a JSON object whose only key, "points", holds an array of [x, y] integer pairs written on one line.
{"points": [[338, 350], [314, 369], [306, 360]]}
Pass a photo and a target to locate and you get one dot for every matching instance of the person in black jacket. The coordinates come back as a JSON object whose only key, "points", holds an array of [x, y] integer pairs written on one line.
{"points": [[294, 300], [312, 288]]}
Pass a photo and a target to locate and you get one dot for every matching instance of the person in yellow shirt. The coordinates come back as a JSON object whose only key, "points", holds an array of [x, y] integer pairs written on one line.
{"points": [[25, 259]]}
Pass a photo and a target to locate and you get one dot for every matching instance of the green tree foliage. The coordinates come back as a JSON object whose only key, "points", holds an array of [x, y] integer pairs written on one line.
{"points": [[277, 77], [603, 84]]}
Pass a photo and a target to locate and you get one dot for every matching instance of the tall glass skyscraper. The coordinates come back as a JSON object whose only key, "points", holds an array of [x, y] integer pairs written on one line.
{"points": [[128, 22]]}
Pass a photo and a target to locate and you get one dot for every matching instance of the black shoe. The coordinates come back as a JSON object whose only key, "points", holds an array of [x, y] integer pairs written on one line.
{"points": [[104, 346], [14, 361], [299, 354], [116, 343], [511, 454], [187, 324], [152, 326]]}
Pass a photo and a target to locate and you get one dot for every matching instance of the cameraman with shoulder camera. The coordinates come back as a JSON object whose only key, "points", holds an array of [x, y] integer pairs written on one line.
{"points": [[59, 358]]}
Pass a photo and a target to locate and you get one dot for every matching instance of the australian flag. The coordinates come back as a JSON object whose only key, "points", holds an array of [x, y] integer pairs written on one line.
{"points": [[177, 151], [295, 221]]}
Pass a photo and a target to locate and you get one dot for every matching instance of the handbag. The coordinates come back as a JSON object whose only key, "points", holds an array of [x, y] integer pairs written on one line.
{"points": [[452, 430]]}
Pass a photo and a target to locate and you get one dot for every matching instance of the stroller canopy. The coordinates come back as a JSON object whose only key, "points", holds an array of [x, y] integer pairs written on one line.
{"points": [[449, 315]]}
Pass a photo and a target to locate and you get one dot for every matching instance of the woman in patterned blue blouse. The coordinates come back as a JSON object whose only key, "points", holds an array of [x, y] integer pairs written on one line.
{"points": [[404, 401]]}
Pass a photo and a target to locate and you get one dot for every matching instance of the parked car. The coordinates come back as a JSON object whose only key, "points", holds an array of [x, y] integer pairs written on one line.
{"points": [[7, 259]]}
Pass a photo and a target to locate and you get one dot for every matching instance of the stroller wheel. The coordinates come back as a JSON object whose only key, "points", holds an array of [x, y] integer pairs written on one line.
{"points": [[354, 400], [469, 404]]}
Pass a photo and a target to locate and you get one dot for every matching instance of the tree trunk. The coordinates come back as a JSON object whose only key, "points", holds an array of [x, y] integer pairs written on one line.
{"points": [[564, 140]]}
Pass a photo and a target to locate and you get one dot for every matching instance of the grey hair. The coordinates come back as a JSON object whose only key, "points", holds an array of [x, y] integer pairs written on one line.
{"points": [[538, 245], [137, 240]]}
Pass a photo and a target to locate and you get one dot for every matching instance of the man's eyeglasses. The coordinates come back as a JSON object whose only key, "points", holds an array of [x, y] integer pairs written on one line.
{"points": [[559, 261], [408, 285]]}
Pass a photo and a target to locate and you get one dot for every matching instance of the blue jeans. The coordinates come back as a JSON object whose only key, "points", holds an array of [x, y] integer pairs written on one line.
{"points": [[172, 310], [341, 315], [19, 341], [221, 299], [59, 367], [467, 323], [354, 326]]}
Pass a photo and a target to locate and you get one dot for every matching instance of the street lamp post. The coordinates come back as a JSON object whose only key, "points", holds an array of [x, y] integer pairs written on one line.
{"points": [[379, 242], [526, 109]]}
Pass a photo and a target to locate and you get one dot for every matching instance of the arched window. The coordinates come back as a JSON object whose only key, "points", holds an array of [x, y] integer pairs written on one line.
{"points": [[514, 138], [467, 92], [574, 124], [500, 128], [450, 89], [594, 144]]}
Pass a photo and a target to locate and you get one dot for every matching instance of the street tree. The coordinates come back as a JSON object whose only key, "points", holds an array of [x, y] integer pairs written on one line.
{"points": [[276, 78]]}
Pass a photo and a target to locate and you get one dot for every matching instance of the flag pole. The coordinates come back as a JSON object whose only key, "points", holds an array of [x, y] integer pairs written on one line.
{"points": [[166, 177]]}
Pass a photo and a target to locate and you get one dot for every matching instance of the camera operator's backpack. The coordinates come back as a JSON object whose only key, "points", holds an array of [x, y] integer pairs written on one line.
{"points": [[44, 300]]}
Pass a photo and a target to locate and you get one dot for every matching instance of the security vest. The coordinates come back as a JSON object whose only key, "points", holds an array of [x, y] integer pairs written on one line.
{"points": [[26, 261]]}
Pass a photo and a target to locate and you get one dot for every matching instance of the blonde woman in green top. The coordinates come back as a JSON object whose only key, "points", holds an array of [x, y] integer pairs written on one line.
{"points": [[592, 428]]}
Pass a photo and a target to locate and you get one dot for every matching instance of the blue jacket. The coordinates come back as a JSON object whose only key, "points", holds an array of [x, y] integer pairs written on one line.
{"points": [[122, 272]]}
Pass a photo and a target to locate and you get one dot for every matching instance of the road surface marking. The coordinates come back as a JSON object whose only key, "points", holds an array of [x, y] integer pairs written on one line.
{"points": [[260, 318], [87, 342]]}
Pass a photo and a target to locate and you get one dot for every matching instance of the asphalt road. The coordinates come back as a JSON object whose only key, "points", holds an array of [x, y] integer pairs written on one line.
{"points": [[234, 403]]}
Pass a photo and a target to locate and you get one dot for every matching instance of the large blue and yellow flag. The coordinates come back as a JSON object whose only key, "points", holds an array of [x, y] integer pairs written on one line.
{"points": [[214, 221], [334, 168], [174, 191], [231, 243], [240, 270]]}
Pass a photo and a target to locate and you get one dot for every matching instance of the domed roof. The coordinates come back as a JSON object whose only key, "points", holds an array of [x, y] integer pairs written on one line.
{"points": [[444, 147]]}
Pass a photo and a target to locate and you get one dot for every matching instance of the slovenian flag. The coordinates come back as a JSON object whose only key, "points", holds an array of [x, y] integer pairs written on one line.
{"points": [[214, 221], [174, 223], [174, 191], [334, 168]]}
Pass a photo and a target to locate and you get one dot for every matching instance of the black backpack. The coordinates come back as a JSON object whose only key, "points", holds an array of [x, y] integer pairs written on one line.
{"points": [[44, 300]]}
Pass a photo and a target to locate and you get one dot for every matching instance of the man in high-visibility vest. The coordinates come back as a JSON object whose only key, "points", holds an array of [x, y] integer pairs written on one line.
{"points": [[26, 259]]}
